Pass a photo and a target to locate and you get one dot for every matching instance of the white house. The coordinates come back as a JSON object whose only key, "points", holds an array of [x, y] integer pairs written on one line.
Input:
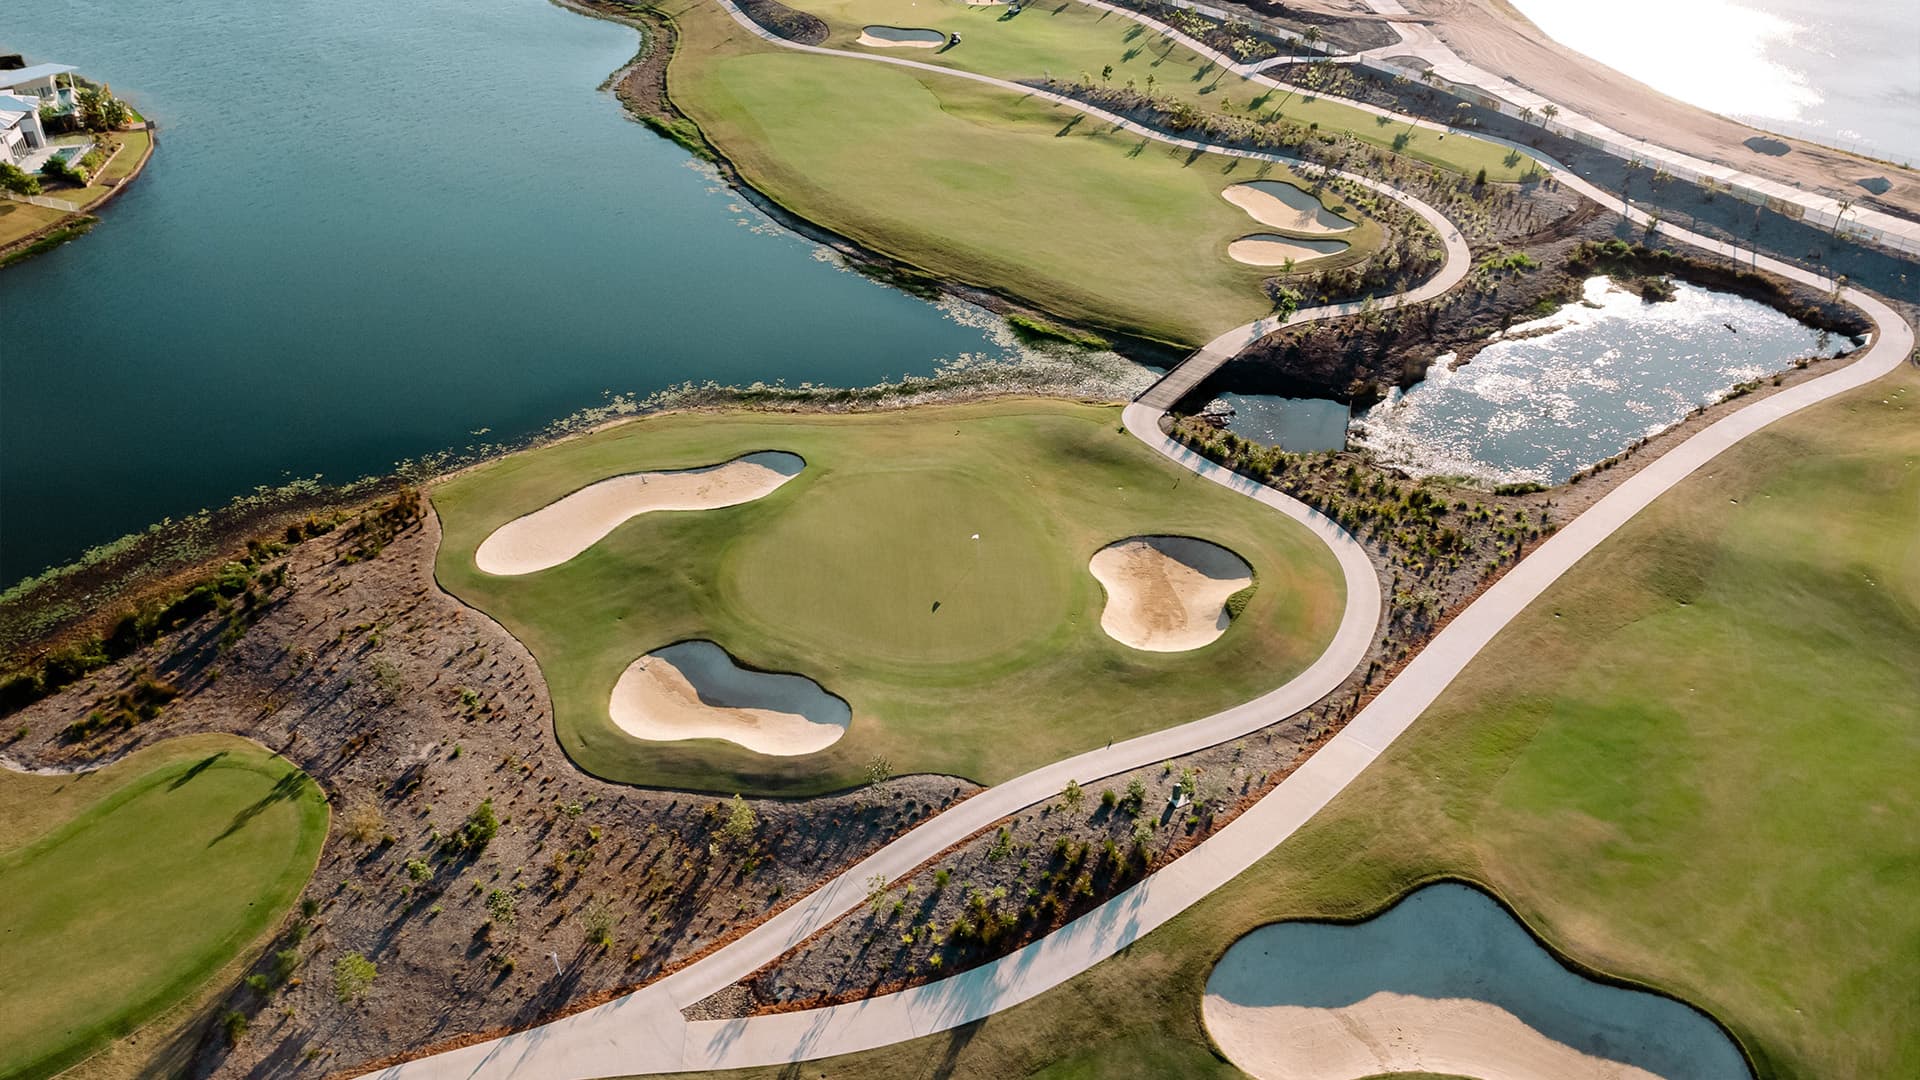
{"points": [[42, 81], [24, 93], [20, 130]]}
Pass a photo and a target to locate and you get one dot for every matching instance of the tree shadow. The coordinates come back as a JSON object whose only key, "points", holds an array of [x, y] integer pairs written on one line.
{"points": [[198, 767], [287, 787]]}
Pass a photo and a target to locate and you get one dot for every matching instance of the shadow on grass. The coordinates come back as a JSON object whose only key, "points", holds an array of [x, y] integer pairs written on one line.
{"points": [[198, 767], [287, 787]]}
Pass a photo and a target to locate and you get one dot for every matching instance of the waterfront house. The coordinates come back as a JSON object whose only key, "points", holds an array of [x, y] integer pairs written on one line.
{"points": [[21, 132], [51, 84]]}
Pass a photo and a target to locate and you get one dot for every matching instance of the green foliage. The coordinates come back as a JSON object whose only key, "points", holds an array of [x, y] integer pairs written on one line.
{"points": [[477, 831], [233, 1027], [14, 179], [741, 823], [353, 976], [1136, 799], [502, 907], [1073, 796], [1033, 332]]}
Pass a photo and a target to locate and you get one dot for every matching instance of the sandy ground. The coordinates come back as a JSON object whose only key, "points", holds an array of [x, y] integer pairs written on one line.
{"points": [[894, 37], [560, 530], [694, 690], [1267, 249], [1394, 1033], [1496, 37], [1167, 593], [1283, 206]]}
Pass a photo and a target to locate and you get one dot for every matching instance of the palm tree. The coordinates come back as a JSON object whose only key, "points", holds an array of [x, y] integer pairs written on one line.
{"points": [[1526, 114], [1550, 110]]}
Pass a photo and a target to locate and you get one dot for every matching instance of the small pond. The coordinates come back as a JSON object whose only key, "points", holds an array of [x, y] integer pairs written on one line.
{"points": [[1296, 425], [1445, 981], [1552, 396]]}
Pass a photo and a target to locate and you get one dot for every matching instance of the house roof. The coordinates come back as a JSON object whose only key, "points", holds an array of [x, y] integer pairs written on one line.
{"points": [[30, 74], [14, 109]]}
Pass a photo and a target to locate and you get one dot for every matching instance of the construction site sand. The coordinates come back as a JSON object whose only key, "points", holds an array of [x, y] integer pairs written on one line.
{"points": [[897, 37], [1266, 249], [1284, 206], [560, 530], [694, 690], [1167, 593], [1440, 984]]}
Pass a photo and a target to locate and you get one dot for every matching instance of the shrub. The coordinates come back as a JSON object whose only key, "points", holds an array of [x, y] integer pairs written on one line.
{"points": [[477, 831], [1073, 796], [1237, 603], [597, 919], [941, 877], [1136, 795], [364, 821], [1109, 798], [501, 907], [353, 976], [16, 180], [234, 1026], [741, 823], [418, 870]]}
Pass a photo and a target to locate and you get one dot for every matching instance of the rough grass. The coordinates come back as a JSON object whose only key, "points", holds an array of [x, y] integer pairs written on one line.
{"points": [[20, 220], [835, 576], [1071, 41], [1691, 763], [972, 184], [125, 889]]}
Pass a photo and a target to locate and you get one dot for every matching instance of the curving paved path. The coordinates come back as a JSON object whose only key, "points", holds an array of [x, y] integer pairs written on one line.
{"points": [[645, 1032]]}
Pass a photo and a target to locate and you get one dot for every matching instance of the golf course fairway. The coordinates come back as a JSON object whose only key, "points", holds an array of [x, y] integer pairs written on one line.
{"points": [[1687, 766], [928, 567], [121, 891]]}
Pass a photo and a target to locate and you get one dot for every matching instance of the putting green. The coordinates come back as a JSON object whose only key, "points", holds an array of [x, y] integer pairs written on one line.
{"points": [[135, 884], [835, 575], [917, 566]]}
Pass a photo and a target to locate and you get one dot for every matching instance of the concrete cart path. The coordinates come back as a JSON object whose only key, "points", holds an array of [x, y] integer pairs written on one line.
{"points": [[645, 1032]]}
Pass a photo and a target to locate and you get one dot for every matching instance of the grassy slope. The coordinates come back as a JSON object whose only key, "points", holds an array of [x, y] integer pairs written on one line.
{"points": [[19, 220], [1691, 763], [125, 889], [1012, 672], [1070, 41], [973, 185]]}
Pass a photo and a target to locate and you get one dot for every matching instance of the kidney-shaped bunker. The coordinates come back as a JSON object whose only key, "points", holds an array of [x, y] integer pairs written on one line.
{"points": [[1280, 205], [1444, 982], [1167, 593], [695, 690], [560, 530]]}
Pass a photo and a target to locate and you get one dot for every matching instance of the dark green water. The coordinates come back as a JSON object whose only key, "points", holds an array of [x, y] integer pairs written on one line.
{"points": [[372, 229]]}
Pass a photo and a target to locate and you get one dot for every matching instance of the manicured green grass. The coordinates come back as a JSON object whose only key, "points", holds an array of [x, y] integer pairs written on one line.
{"points": [[1071, 41], [19, 220], [121, 891], [972, 184], [835, 576], [1692, 763]]}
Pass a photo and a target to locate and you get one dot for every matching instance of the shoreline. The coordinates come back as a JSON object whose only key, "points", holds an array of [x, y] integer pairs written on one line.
{"points": [[77, 223]]}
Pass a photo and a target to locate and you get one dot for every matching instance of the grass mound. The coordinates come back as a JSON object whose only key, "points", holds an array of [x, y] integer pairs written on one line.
{"points": [[131, 886], [979, 658]]}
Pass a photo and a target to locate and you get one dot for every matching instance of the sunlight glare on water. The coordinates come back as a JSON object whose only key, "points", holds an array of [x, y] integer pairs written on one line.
{"points": [[1614, 368]]}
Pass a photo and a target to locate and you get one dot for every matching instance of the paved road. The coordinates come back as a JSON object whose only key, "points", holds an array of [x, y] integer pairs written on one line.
{"points": [[645, 1032]]}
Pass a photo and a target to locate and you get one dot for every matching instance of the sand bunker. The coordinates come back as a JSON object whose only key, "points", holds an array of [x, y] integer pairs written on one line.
{"points": [[1446, 982], [694, 690], [1283, 206], [560, 530], [1266, 249], [1167, 593], [896, 37]]}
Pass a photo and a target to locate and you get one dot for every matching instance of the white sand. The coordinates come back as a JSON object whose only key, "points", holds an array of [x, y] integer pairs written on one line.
{"points": [[895, 37], [1167, 593], [694, 690], [560, 530], [1392, 1033], [1266, 249], [1284, 206]]}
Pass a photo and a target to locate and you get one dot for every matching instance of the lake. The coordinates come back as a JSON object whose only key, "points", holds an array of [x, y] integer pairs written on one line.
{"points": [[1557, 394], [374, 231]]}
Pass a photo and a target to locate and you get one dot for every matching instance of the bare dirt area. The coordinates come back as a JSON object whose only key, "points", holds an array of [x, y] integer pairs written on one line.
{"points": [[1494, 36], [414, 712]]}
